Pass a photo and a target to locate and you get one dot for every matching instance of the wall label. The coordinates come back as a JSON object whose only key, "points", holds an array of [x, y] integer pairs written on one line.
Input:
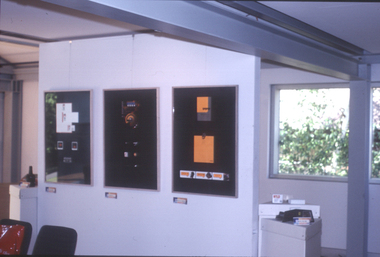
{"points": [[51, 190], [180, 200], [111, 195]]}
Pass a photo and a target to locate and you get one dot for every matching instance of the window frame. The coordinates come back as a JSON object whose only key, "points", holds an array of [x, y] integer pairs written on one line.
{"points": [[274, 130]]}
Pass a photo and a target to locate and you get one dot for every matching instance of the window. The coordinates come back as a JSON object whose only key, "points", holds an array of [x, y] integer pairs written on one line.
{"points": [[309, 131], [375, 174]]}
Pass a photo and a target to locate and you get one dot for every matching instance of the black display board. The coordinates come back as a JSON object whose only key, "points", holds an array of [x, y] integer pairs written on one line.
{"points": [[68, 137], [204, 140], [130, 134]]}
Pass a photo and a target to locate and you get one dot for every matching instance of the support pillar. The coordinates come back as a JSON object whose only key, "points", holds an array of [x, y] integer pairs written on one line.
{"points": [[359, 166]]}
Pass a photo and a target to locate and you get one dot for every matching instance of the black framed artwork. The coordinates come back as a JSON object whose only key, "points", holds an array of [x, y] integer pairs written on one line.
{"points": [[130, 138], [204, 140], [68, 137]]}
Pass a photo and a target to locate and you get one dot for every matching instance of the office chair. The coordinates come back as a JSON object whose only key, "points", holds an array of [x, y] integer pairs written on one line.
{"points": [[27, 233], [55, 240]]}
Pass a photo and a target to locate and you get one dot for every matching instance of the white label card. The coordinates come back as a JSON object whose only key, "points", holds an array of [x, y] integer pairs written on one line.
{"points": [[65, 118]]}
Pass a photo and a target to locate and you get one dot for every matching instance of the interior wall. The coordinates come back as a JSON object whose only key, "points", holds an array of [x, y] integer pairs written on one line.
{"points": [[29, 126], [331, 196], [141, 222], [375, 72]]}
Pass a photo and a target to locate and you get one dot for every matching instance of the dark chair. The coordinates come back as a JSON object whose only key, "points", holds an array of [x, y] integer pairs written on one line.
{"points": [[55, 240], [27, 233]]}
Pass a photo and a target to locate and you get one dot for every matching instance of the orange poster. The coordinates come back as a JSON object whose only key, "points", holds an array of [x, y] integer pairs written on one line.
{"points": [[204, 149]]}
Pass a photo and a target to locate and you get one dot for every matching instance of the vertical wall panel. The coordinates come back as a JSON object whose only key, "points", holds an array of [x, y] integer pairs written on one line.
{"points": [[141, 222]]}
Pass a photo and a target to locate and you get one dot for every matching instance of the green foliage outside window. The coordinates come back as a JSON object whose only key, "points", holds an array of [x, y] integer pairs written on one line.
{"points": [[313, 136], [50, 140], [376, 133]]}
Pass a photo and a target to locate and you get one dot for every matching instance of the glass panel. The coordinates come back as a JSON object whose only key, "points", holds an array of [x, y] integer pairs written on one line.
{"points": [[313, 131], [68, 137], [130, 138], [376, 133]]}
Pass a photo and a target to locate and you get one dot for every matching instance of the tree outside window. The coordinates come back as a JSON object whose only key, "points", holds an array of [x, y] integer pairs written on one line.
{"points": [[376, 133], [312, 132]]}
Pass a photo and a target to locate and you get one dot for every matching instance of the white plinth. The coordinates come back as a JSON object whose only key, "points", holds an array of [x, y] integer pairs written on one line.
{"points": [[23, 206], [270, 210], [283, 239]]}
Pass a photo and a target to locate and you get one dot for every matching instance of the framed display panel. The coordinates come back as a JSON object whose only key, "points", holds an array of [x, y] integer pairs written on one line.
{"points": [[68, 137], [204, 140], [130, 135]]}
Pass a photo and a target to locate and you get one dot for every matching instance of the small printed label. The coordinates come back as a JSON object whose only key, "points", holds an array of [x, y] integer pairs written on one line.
{"points": [[179, 200], [203, 175], [111, 195], [217, 176], [301, 221], [67, 160], [185, 173], [277, 198], [51, 189]]}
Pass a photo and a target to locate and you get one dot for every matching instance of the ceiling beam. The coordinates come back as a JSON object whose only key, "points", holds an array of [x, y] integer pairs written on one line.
{"points": [[4, 61], [4, 76], [18, 42], [23, 36], [20, 64], [369, 58], [275, 17], [43, 40], [146, 31], [207, 23]]}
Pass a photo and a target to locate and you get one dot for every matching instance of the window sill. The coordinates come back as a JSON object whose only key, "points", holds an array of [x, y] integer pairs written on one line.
{"points": [[372, 181], [311, 178]]}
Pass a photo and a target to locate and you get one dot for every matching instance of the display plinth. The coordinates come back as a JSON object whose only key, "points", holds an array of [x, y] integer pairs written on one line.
{"points": [[269, 210], [283, 239], [23, 206]]}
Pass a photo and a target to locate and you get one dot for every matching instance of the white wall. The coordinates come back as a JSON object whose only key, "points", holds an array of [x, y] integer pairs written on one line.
{"points": [[142, 222], [373, 221], [29, 126], [331, 196], [375, 72]]}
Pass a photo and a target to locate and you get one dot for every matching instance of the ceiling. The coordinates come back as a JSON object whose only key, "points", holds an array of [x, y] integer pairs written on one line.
{"points": [[355, 22], [21, 20], [26, 23]]}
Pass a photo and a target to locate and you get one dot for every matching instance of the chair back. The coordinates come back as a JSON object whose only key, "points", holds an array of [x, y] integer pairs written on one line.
{"points": [[55, 240], [27, 233]]}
